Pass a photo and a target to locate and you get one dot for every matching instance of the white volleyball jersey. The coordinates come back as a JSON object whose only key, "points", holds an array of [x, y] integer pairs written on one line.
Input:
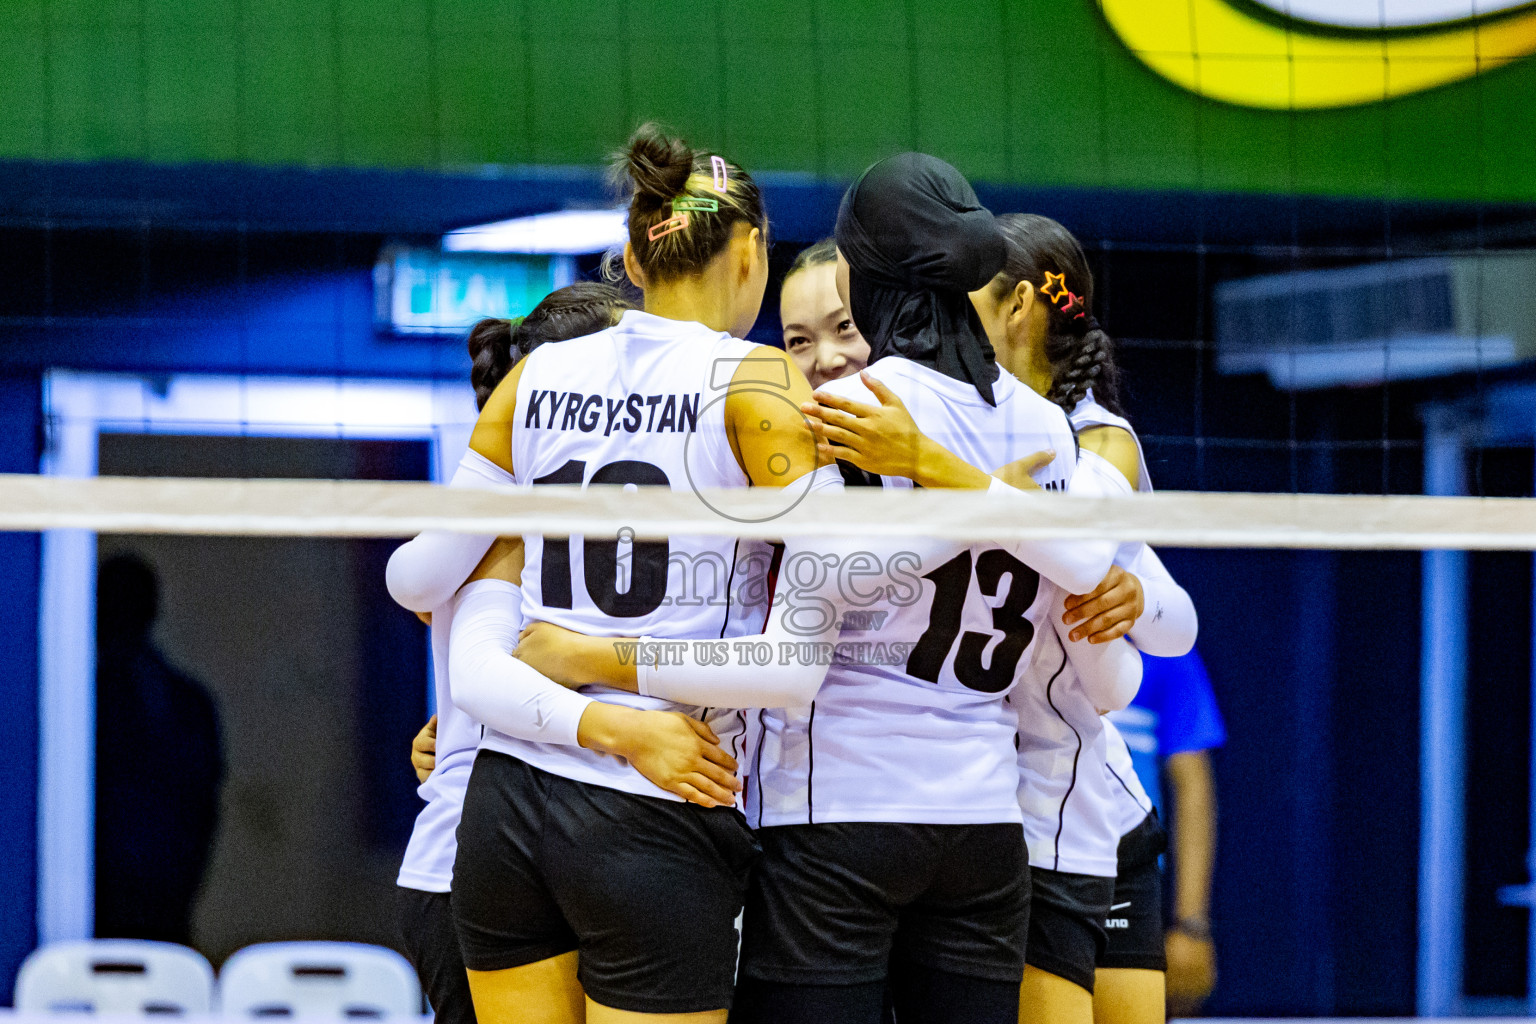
{"points": [[910, 724], [429, 856], [1070, 809], [1089, 413], [1132, 804], [641, 403]]}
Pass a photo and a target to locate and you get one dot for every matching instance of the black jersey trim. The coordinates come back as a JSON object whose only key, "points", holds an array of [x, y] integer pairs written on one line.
{"points": [[853, 476], [740, 737], [1061, 812], [810, 775], [775, 562], [757, 765], [730, 582], [1128, 790]]}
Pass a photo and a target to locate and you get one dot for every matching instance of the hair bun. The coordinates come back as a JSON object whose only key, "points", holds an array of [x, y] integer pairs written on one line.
{"points": [[658, 164]]}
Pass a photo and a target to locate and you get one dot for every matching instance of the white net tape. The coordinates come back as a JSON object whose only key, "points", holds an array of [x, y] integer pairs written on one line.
{"points": [[368, 509]]}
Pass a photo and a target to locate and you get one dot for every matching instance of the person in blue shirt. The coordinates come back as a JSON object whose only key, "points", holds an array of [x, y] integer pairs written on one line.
{"points": [[1170, 729]]}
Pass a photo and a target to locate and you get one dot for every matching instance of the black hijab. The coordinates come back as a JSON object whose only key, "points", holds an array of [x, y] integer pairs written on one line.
{"points": [[917, 240]]}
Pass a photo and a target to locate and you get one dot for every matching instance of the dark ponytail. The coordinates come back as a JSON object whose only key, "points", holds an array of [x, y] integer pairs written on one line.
{"points": [[666, 179], [1081, 355], [495, 346], [490, 353]]}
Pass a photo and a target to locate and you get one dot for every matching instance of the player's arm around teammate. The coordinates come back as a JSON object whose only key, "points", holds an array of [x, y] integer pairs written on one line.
{"points": [[884, 439], [678, 753], [444, 752], [611, 904]]}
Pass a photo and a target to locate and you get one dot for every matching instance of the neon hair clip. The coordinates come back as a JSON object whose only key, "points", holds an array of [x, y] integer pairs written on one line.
{"points": [[717, 165], [667, 227], [695, 204], [1057, 281]]}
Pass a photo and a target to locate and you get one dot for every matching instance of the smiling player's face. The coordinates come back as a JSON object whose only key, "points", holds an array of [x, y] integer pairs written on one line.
{"points": [[819, 334]]}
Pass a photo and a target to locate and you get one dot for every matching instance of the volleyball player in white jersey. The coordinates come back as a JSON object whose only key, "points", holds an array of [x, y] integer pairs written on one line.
{"points": [[888, 797], [571, 866], [1076, 809], [426, 871], [1105, 843]]}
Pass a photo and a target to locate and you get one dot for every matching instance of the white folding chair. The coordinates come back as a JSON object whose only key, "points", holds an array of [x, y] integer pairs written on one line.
{"points": [[119, 976], [325, 979]]}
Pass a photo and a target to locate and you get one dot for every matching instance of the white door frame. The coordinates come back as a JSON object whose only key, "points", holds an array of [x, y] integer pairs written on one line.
{"points": [[79, 407]]}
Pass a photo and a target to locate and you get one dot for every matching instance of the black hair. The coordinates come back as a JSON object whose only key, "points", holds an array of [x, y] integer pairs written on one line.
{"points": [[666, 178], [823, 252], [496, 345], [1081, 355]]}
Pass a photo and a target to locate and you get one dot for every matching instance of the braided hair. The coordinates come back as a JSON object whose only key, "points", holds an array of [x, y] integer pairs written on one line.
{"points": [[496, 345], [1081, 355]]}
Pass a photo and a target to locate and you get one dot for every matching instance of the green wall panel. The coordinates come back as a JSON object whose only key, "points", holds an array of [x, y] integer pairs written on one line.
{"points": [[1037, 93], [24, 113], [290, 100], [483, 97], [192, 95]]}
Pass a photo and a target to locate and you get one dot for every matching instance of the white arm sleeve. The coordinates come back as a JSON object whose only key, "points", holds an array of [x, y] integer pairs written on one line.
{"points": [[492, 686], [425, 571], [1076, 566], [1110, 674], [1168, 625], [791, 679]]}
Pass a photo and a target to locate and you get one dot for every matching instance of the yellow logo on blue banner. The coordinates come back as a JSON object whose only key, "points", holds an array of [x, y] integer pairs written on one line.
{"points": [[1301, 54]]}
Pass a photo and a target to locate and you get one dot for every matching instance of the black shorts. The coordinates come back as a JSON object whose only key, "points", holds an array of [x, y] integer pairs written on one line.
{"points": [[835, 904], [646, 889], [1135, 922], [432, 946], [1066, 923]]}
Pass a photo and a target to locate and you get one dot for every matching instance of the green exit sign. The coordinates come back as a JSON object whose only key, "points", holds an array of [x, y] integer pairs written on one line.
{"points": [[426, 291]]}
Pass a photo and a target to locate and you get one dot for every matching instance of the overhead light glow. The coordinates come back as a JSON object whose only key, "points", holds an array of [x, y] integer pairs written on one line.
{"points": [[568, 232]]}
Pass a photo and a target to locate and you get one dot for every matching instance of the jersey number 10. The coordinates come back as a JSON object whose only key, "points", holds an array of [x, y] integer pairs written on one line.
{"points": [[600, 558]]}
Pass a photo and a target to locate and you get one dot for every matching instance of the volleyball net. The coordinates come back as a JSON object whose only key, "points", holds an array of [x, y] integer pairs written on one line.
{"points": [[270, 593], [353, 508]]}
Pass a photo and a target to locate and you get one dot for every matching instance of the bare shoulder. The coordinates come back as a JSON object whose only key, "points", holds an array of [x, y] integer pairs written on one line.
{"points": [[1117, 446], [763, 366], [763, 421], [493, 429], [765, 377]]}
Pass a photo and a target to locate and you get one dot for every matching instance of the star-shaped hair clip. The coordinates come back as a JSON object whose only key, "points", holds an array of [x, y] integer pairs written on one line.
{"points": [[1057, 281]]}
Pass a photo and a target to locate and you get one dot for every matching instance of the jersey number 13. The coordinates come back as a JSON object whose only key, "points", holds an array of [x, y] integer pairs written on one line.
{"points": [[952, 581]]}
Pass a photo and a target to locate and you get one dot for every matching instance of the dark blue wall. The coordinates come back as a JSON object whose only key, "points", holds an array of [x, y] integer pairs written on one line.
{"points": [[216, 302], [1314, 658], [21, 424]]}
